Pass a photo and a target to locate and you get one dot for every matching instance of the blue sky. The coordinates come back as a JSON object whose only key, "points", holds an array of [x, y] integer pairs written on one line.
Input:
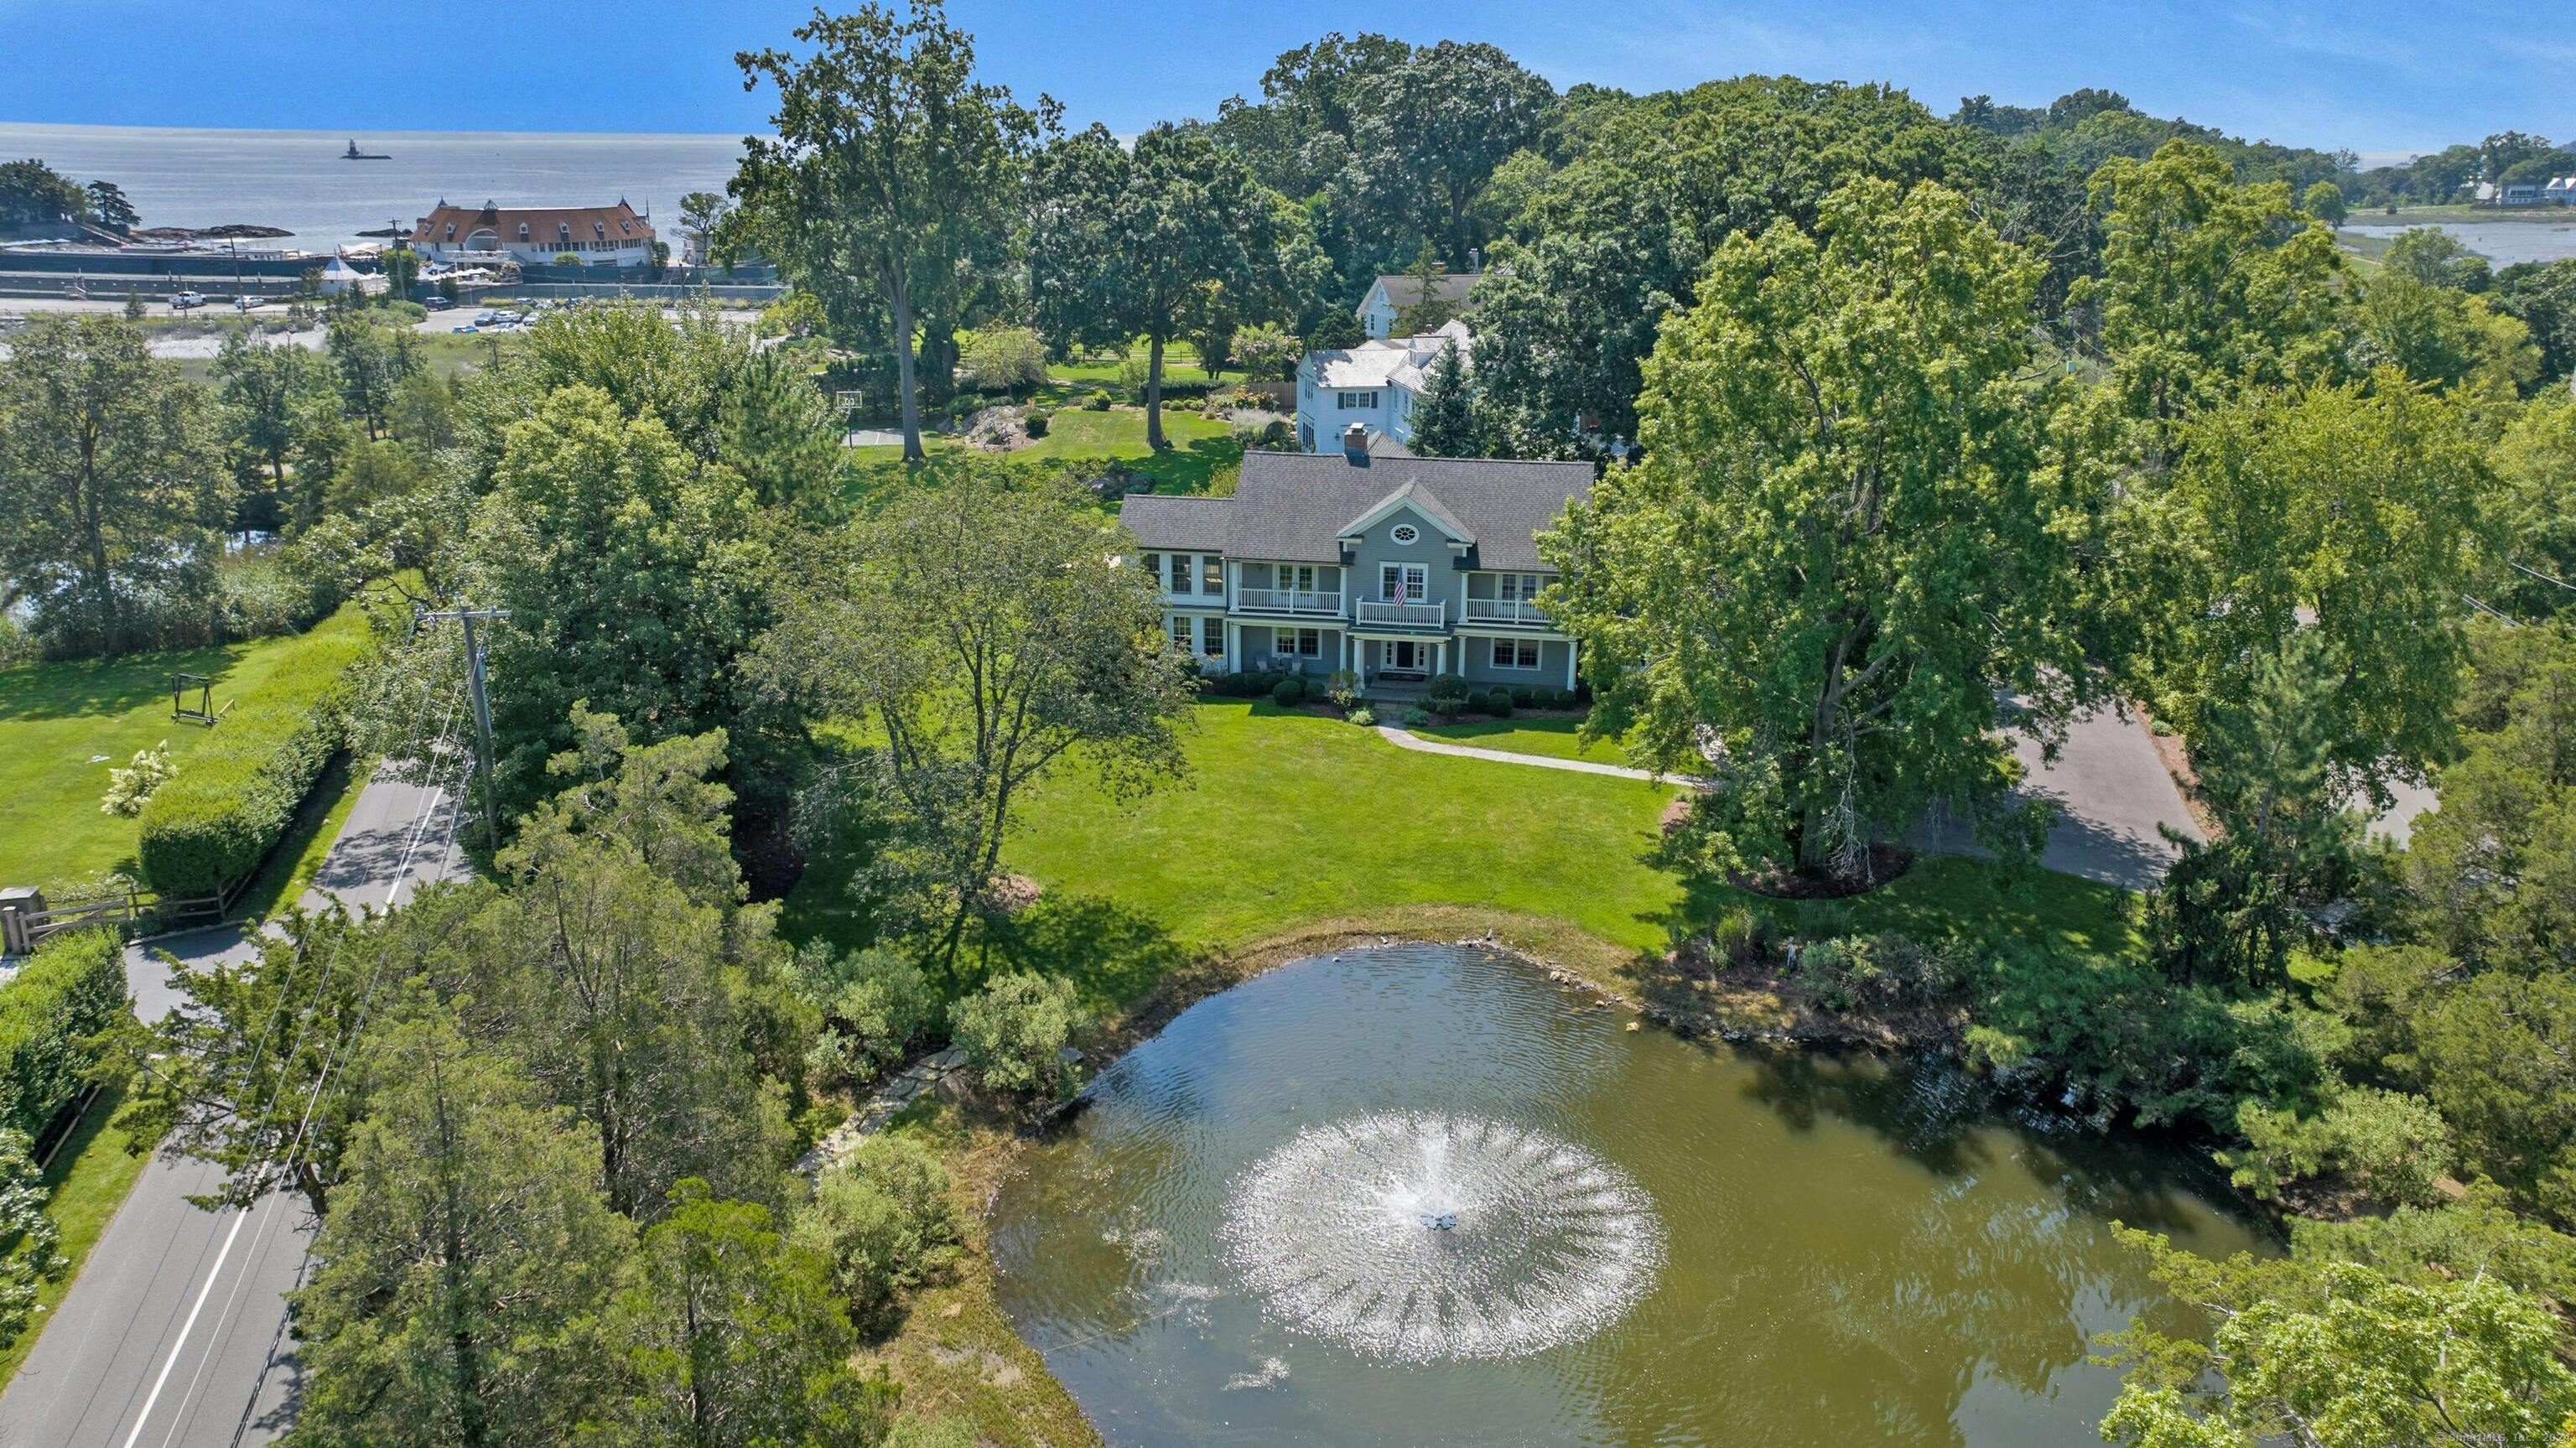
{"points": [[2374, 76]]}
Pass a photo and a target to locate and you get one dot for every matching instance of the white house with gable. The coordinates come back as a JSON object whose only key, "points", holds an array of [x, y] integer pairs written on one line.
{"points": [[1374, 386]]}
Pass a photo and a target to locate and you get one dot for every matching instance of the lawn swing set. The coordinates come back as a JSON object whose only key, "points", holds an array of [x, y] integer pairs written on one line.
{"points": [[205, 711]]}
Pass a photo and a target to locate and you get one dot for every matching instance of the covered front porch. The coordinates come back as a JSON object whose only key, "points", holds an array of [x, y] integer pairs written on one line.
{"points": [[1398, 667]]}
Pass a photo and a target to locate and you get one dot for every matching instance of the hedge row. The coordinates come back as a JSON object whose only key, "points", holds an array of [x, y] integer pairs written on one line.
{"points": [[73, 989], [235, 795]]}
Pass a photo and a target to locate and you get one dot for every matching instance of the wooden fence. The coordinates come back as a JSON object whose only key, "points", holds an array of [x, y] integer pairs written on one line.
{"points": [[27, 919]]}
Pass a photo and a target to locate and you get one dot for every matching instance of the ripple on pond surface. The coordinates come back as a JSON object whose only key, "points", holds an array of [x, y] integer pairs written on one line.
{"points": [[1417, 1236]]}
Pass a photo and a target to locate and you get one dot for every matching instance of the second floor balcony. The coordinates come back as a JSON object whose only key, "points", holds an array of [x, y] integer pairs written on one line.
{"points": [[1308, 602], [1401, 613]]}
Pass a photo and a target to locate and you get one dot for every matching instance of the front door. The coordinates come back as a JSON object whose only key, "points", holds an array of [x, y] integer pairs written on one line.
{"points": [[1404, 656]]}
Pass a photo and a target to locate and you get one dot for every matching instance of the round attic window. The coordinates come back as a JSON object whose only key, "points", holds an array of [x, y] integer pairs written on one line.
{"points": [[1404, 533]]}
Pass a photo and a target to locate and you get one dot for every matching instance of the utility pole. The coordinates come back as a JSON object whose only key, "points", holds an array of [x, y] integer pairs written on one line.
{"points": [[482, 704]]}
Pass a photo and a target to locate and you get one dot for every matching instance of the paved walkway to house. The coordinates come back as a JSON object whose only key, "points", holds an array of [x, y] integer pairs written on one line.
{"points": [[1407, 739]]}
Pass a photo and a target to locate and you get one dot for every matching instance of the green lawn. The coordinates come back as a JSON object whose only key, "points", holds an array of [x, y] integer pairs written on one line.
{"points": [[1201, 450], [1288, 819], [87, 1182], [1553, 738], [58, 719]]}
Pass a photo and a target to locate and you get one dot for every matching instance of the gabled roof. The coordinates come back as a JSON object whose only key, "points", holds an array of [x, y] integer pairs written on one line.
{"points": [[1294, 506], [1412, 495], [1406, 291]]}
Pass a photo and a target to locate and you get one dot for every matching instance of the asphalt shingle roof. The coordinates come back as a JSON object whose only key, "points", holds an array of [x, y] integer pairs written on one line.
{"points": [[1293, 506], [1176, 522], [1406, 290]]}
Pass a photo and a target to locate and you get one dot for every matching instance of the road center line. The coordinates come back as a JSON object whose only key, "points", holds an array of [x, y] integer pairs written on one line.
{"points": [[158, 1383]]}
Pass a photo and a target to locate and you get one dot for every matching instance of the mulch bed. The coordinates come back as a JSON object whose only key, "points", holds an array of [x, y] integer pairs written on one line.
{"points": [[1886, 862]]}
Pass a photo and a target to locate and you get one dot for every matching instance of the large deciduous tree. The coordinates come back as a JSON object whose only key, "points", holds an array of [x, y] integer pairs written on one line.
{"points": [[2355, 507], [1841, 548], [1616, 241], [1126, 242], [631, 577], [987, 631], [111, 478], [1429, 132], [2336, 1353], [889, 167], [2208, 288], [265, 393]]}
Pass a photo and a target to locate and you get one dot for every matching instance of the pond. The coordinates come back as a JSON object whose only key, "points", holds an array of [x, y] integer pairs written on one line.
{"points": [[2537, 236], [1421, 1195]]}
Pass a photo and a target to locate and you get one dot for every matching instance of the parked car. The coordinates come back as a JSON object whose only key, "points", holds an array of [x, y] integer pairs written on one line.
{"points": [[466, 327], [485, 319], [438, 304], [244, 303], [182, 301]]}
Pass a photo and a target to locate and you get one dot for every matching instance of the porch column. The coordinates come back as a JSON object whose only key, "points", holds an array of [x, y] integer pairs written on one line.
{"points": [[1569, 663], [1233, 647], [1439, 656]]}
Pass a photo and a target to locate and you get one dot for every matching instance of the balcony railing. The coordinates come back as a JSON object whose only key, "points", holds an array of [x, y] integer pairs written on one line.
{"points": [[1403, 614], [1505, 610], [1288, 600]]}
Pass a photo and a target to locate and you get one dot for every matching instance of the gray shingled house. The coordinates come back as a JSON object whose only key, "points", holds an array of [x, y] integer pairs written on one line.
{"points": [[1398, 568]]}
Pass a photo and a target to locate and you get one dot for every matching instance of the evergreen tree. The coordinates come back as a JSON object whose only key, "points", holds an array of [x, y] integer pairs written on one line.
{"points": [[1444, 424], [730, 1336], [457, 1279]]}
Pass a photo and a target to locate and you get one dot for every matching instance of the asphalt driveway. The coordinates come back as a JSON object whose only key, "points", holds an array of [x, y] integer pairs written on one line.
{"points": [[2112, 794]]}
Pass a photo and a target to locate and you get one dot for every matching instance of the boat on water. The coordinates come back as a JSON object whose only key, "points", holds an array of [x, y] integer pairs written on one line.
{"points": [[354, 154]]}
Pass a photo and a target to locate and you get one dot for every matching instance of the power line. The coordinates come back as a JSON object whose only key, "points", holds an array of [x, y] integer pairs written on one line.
{"points": [[474, 690]]}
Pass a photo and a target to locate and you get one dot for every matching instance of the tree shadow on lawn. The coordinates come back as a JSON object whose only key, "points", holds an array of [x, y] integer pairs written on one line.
{"points": [[81, 688], [1114, 955]]}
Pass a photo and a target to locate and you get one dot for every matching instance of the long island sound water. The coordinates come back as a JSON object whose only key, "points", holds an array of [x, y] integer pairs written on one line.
{"points": [[300, 181]]}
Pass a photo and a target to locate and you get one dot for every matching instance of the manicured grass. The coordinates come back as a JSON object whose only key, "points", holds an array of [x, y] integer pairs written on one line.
{"points": [[1201, 451], [87, 1182], [1294, 826], [1288, 821], [1289, 817], [1552, 738], [56, 718]]}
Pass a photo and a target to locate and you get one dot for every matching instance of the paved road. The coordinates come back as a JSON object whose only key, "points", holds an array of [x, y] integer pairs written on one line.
{"points": [[2112, 793], [174, 1334]]}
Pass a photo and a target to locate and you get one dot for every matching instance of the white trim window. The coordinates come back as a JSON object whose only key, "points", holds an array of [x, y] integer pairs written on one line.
{"points": [[1403, 582], [1182, 632], [1296, 577], [1516, 653], [1212, 574], [1358, 401], [1518, 587], [1297, 643], [1212, 637], [1177, 579], [1153, 565]]}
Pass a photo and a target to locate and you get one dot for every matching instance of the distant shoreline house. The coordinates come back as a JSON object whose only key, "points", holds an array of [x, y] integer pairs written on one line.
{"points": [[1395, 567], [1374, 386], [535, 236]]}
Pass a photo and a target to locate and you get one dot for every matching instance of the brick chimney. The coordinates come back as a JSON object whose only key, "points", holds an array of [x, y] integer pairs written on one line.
{"points": [[1355, 444]]}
